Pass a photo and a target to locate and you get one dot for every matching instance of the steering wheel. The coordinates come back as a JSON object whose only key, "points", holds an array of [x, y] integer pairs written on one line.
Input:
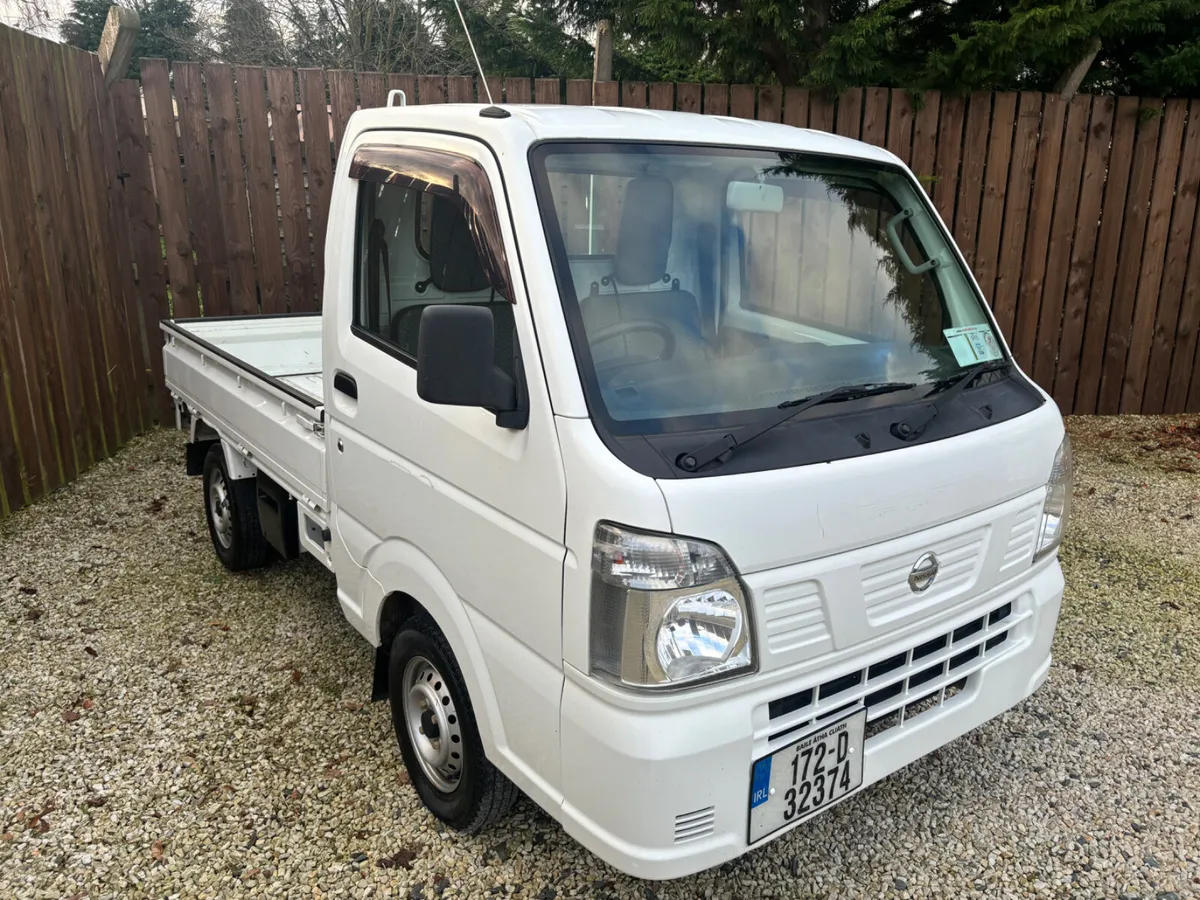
{"points": [[634, 326]]}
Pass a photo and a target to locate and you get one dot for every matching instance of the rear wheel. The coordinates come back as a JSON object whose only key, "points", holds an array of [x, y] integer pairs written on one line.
{"points": [[231, 508], [435, 727]]}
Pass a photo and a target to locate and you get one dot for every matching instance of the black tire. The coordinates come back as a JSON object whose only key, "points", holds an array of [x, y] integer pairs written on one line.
{"points": [[479, 794], [238, 540]]}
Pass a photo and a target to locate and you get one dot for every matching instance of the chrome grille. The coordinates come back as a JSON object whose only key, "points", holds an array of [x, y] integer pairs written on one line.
{"points": [[897, 688]]}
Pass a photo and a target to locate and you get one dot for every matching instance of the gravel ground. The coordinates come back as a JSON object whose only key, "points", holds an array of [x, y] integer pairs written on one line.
{"points": [[167, 729]]}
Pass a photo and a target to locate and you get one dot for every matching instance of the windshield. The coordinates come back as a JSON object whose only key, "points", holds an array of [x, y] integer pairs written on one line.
{"points": [[705, 284]]}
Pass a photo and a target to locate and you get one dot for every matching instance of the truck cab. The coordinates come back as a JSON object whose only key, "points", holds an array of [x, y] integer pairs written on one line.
{"points": [[674, 465]]}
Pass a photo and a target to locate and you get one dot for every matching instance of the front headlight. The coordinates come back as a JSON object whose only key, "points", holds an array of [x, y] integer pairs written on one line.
{"points": [[665, 611], [1057, 507]]}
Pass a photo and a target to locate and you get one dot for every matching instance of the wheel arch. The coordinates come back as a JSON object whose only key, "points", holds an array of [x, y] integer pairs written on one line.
{"points": [[401, 582], [201, 437]]}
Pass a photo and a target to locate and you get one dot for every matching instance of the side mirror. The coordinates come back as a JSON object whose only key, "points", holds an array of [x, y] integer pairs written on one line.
{"points": [[456, 363]]}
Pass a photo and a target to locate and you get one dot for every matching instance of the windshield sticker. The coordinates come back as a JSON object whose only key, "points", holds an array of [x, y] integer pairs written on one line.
{"points": [[972, 344]]}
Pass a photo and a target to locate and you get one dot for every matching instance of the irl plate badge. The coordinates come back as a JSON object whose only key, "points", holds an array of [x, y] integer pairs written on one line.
{"points": [[760, 788]]}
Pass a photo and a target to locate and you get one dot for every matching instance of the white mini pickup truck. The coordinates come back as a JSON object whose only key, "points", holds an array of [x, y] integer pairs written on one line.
{"points": [[673, 463]]}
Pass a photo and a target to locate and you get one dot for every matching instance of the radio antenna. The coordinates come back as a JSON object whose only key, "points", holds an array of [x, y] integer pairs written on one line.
{"points": [[483, 78]]}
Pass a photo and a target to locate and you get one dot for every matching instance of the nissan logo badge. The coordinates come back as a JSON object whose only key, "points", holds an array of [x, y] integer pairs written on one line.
{"points": [[924, 571]]}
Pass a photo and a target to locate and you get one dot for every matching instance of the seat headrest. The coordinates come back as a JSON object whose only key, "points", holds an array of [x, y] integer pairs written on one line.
{"points": [[454, 265], [645, 235]]}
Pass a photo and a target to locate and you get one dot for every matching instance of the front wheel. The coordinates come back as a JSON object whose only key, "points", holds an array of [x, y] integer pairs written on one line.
{"points": [[231, 508], [435, 727]]}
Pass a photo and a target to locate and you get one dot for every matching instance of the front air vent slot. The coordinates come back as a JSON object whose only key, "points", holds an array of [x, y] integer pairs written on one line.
{"points": [[696, 824]]}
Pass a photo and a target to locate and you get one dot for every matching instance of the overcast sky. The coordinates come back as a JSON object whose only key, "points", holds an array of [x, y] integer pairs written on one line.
{"points": [[16, 13]]}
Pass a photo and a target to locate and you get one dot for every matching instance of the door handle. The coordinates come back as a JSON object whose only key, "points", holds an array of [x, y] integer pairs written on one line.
{"points": [[345, 384]]}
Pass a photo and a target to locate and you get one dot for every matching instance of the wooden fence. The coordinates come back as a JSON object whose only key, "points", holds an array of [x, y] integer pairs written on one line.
{"points": [[190, 193], [73, 384], [1078, 217]]}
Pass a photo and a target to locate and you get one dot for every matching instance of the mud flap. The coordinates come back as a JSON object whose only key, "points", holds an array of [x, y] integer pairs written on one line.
{"points": [[379, 683]]}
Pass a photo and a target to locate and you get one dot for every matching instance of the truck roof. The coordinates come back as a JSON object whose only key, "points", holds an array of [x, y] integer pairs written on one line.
{"points": [[551, 122]]}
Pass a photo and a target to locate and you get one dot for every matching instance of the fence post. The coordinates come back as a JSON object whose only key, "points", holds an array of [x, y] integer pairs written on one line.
{"points": [[602, 64], [116, 42]]}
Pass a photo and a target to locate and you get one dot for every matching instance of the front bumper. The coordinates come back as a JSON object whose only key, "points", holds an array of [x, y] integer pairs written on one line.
{"points": [[660, 792]]}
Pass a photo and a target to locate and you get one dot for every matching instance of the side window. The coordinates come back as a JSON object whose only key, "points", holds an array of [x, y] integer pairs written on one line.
{"points": [[423, 240]]}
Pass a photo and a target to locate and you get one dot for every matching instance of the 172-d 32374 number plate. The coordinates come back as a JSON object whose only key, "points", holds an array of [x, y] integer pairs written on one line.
{"points": [[808, 775]]}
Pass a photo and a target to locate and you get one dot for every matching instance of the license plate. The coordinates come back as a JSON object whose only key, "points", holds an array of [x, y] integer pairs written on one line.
{"points": [[808, 775]]}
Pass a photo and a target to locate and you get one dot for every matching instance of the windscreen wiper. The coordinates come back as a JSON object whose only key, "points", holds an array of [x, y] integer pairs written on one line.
{"points": [[911, 428], [789, 409]]}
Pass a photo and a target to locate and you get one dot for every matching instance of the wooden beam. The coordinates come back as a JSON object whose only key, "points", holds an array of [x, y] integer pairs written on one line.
{"points": [[602, 65], [116, 42]]}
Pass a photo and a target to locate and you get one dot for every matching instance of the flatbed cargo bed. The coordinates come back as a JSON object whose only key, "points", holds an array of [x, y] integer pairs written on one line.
{"points": [[257, 381]]}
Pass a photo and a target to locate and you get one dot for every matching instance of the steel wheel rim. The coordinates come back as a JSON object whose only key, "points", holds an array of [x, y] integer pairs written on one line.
{"points": [[433, 724], [218, 510]]}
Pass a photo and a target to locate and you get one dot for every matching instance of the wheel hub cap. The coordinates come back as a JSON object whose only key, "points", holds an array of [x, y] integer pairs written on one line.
{"points": [[219, 511], [434, 729]]}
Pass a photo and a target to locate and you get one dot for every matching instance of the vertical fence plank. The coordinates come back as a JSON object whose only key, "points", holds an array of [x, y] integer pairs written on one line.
{"points": [[14, 407], [496, 86], [925, 135], [517, 90], [314, 121], [372, 89], [606, 93], [900, 125], [20, 291], [970, 186], [1016, 211], [741, 101], [995, 179], [875, 116], [168, 184], [633, 94], [1058, 249], [579, 92], [1084, 250], [662, 95], [67, 150], [1108, 245], [260, 186], [293, 206], [795, 107], [134, 148], [461, 88], [1175, 332], [129, 359], [949, 157], [1149, 285], [1130, 258], [820, 112], [212, 269], [342, 103], [1183, 390], [687, 97], [770, 103], [849, 113], [396, 81], [230, 189], [73, 357], [431, 89], [548, 90], [716, 99], [1037, 237]]}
